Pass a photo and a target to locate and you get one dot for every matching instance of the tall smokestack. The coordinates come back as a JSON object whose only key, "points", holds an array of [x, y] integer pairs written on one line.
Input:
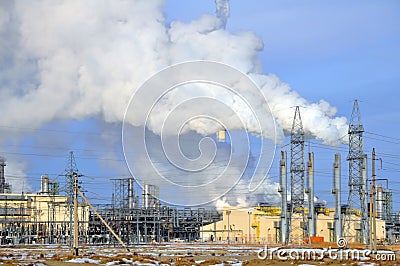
{"points": [[44, 184], [131, 200], [310, 177], [146, 195], [283, 191], [364, 175], [222, 11], [2, 176], [336, 192]]}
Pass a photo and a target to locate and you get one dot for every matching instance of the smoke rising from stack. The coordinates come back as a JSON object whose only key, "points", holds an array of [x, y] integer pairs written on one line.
{"points": [[62, 64]]}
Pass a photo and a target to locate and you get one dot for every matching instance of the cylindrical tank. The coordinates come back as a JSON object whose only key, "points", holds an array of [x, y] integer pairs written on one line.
{"points": [[150, 196], [221, 136], [44, 184]]}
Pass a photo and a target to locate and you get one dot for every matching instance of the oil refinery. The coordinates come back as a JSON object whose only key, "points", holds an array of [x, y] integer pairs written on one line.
{"points": [[367, 217]]}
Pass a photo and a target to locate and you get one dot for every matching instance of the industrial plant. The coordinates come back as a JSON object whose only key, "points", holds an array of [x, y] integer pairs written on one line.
{"points": [[367, 217]]}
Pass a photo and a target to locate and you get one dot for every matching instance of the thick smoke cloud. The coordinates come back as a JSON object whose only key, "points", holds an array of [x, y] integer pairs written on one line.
{"points": [[76, 59]]}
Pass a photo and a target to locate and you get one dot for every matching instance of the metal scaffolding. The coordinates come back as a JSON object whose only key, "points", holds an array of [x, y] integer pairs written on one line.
{"points": [[144, 225], [355, 227]]}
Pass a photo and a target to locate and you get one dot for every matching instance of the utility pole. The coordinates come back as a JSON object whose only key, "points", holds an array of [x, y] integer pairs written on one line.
{"points": [[310, 189], [103, 221], [372, 206], [249, 213], [228, 212]]}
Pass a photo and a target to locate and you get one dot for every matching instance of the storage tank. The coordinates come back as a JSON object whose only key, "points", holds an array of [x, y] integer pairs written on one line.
{"points": [[221, 136], [150, 196], [44, 184]]}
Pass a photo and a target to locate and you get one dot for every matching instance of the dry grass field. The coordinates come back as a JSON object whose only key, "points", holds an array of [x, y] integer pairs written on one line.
{"points": [[166, 254]]}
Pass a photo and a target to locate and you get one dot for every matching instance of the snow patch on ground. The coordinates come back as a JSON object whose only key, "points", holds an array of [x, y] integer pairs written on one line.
{"points": [[84, 260]]}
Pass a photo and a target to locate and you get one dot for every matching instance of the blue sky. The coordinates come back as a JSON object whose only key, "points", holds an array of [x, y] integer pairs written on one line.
{"points": [[332, 50]]}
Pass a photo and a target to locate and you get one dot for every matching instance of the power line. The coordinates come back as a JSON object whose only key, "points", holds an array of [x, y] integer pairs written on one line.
{"points": [[380, 135]]}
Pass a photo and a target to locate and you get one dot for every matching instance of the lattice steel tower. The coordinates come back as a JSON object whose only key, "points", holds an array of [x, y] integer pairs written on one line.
{"points": [[69, 172], [355, 225], [298, 228]]}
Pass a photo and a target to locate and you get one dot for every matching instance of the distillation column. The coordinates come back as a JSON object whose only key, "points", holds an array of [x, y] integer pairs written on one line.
{"points": [[131, 200], [283, 191], [364, 201], [336, 192]]}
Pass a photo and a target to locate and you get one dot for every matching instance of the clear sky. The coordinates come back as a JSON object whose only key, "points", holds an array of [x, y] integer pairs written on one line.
{"points": [[337, 51]]}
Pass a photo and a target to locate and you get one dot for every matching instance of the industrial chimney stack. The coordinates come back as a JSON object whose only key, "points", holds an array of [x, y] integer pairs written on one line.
{"points": [[2, 178]]}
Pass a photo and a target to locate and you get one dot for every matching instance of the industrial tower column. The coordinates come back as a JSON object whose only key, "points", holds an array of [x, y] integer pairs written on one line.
{"points": [[283, 191], [364, 198], [336, 191], [310, 177]]}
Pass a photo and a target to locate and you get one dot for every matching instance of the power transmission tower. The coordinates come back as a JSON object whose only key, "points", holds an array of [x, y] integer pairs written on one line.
{"points": [[298, 227], [70, 172], [355, 226]]}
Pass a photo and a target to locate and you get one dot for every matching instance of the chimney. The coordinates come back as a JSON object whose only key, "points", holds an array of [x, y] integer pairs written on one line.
{"points": [[2, 178]]}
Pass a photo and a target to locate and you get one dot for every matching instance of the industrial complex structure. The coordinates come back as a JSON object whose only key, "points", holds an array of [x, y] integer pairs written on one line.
{"points": [[48, 217]]}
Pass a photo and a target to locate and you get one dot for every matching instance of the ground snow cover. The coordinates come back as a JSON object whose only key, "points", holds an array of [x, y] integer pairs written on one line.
{"points": [[83, 260]]}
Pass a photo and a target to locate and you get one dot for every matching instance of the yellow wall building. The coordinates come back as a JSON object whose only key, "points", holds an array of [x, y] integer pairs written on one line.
{"points": [[262, 225], [38, 218]]}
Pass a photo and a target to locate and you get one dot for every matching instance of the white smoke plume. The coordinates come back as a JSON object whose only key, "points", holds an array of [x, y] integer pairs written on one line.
{"points": [[222, 7], [76, 59], [16, 177], [64, 64]]}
